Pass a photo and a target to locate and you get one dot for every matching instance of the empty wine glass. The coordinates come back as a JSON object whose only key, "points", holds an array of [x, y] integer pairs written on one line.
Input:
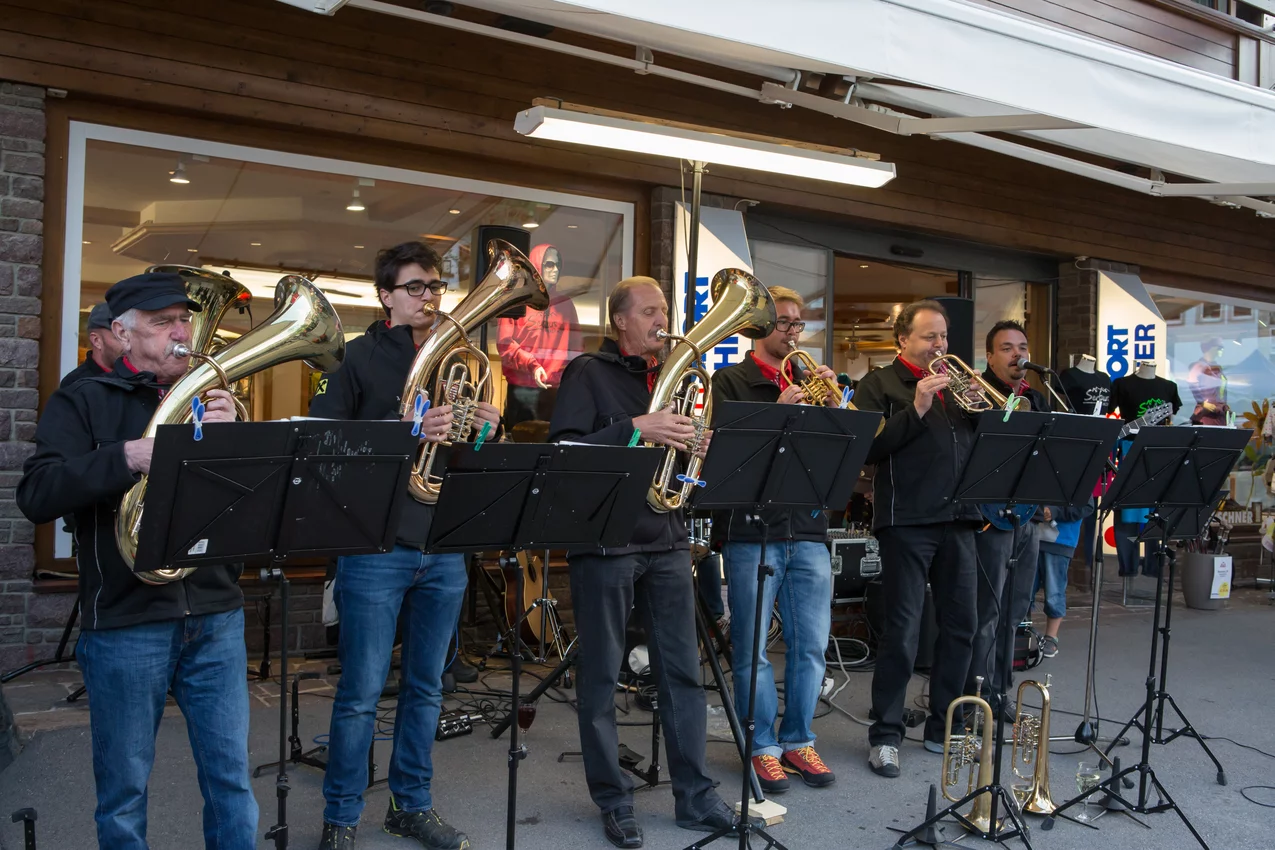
{"points": [[1087, 778]]}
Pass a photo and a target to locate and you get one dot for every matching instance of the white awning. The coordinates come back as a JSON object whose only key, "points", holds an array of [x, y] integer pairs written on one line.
{"points": [[978, 70]]}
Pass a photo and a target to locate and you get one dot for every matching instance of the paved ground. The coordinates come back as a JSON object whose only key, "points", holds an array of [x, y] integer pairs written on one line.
{"points": [[1223, 675]]}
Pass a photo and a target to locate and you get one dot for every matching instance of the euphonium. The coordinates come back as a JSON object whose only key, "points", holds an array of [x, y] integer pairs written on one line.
{"points": [[966, 752], [741, 305], [303, 327], [512, 282], [1031, 750], [972, 393]]}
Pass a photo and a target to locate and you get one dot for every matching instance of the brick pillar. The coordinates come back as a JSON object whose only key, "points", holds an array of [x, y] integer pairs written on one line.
{"points": [[1077, 313], [25, 623]]}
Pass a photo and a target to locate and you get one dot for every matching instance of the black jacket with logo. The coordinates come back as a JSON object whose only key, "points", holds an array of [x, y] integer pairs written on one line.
{"points": [[601, 393], [79, 468], [744, 382], [368, 386], [918, 461]]}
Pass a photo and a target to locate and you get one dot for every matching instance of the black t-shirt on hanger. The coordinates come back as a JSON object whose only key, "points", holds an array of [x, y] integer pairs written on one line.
{"points": [[1136, 396], [1085, 389]]}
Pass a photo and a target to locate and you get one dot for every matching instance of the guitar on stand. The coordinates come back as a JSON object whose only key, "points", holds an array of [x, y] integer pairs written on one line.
{"points": [[541, 630]]}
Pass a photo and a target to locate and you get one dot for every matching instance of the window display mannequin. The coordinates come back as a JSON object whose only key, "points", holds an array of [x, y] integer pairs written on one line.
{"points": [[1088, 390], [1208, 385], [535, 349], [1137, 393]]}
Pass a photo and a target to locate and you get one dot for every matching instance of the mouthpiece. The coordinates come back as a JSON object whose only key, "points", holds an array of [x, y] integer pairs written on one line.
{"points": [[182, 350], [792, 345]]}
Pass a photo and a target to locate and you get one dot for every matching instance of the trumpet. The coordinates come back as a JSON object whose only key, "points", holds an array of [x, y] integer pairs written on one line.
{"points": [[741, 305], [972, 393], [966, 752], [1031, 751]]}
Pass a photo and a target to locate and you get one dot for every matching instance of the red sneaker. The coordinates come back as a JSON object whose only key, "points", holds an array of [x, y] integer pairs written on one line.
{"points": [[770, 773], [809, 766]]}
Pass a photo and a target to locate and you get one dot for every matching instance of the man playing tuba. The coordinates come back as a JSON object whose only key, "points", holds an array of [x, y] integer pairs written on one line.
{"points": [[137, 640], [603, 399], [371, 590]]}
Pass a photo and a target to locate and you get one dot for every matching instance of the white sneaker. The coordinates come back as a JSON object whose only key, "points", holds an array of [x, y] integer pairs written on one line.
{"points": [[884, 760]]}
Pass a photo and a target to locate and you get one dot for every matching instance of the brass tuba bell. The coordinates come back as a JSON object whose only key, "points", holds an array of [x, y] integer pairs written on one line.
{"points": [[741, 305], [512, 282], [303, 327]]}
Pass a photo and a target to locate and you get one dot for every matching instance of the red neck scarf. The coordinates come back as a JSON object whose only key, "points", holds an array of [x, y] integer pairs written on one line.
{"points": [[918, 372], [650, 375], [771, 373]]}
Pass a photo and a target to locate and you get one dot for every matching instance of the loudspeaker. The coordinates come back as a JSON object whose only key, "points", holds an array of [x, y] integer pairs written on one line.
{"points": [[960, 326], [874, 611], [484, 233]]}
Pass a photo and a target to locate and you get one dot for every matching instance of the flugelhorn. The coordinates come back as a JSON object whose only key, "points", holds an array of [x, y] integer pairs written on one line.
{"points": [[1031, 750], [967, 754], [512, 282], [303, 327], [741, 305], [971, 391], [818, 390]]}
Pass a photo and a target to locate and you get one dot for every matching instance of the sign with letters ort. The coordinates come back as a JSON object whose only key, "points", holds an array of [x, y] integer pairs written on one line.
{"points": [[1130, 327]]}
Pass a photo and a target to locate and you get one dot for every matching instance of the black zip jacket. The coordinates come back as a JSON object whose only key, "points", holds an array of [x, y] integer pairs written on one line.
{"points": [[918, 461], [87, 369], [600, 395], [79, 468], [368, 386], [745, 382]]}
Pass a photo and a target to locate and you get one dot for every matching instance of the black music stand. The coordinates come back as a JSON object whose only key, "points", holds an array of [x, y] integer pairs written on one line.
{"points": [[1166, 468], [527, 496], [1033, 459], [768, 456], [269, 492]]}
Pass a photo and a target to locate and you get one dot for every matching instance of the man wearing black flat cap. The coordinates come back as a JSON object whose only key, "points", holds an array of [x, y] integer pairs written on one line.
{"points": [[104, 348], [139, 641]]}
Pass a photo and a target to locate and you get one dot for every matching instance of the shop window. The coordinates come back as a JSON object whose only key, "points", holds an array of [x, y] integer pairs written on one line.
{"points": [[139, 199], [804, 270], [1029, 304], [1220, 356]]}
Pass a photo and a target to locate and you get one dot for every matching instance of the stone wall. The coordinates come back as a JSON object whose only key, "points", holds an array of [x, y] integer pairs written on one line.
{"points": [[664, 238], [28, 623]]}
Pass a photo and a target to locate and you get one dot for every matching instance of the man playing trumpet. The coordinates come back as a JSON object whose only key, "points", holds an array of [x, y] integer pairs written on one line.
{"points": [[603, 399], [802, 580]]}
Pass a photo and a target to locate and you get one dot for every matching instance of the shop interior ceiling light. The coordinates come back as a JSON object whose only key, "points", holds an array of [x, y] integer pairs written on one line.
{"points": [[618, 132]]}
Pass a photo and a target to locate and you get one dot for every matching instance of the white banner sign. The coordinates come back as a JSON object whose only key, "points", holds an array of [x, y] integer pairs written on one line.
{"points": [[1130, 327], [1221, 577], [723, 244]]}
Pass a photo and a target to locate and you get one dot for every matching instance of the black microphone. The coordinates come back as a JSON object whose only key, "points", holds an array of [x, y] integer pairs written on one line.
{"points": [[1024, 363]]}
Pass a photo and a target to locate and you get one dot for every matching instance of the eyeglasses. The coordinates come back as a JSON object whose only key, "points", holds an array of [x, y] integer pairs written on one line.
{"points": [[784, 325], [548, 264], [416, 288]]}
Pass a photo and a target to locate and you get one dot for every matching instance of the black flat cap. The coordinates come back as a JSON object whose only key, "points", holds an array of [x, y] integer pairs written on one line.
{"points": [[99, 317], [150, 291]]}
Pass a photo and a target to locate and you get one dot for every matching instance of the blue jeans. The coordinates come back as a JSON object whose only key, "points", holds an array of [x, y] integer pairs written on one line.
{"points": [[803, 585], [369, 592], [128, 673], [1053, 569]]}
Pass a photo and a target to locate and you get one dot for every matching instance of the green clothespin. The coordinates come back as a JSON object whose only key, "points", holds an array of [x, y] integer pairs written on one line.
{"points": [[482, 436], [637, 435], [1011, 404], [1230, 418]]}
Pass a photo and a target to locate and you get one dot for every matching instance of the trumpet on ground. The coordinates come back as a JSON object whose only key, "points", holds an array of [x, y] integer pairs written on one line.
{"points": [[967, 756]]}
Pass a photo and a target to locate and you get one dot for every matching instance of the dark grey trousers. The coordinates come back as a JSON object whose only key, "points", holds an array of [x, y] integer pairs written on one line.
{"points": [[603, 591], [993, 558]]}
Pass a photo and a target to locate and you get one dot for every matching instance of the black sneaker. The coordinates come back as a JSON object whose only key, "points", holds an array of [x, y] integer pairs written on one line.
{"points": [[721, 817], [462, 671], [337, 837], [622, 828], [426, 827]]}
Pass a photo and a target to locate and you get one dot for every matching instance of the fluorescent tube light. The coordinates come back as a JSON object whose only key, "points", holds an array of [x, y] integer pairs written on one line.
{"points": [[584, 128]]}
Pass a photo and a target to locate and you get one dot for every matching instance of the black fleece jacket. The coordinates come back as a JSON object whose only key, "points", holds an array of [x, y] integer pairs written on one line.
{"points": [[918, 461], [87, 369], [601, 393], [79, 468], [745, 382], [368, 385]]}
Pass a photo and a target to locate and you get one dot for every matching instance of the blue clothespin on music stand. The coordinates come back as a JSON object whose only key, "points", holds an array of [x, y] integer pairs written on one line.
{"points": [[197, 409], [686, 479], [418, 412]]}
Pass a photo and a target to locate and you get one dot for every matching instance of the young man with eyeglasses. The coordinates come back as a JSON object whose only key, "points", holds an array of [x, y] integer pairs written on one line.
{"points": [[802, 581], [371, 590]]}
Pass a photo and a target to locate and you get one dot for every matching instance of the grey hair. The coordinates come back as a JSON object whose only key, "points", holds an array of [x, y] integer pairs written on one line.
{"points": [[128, 319]]}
